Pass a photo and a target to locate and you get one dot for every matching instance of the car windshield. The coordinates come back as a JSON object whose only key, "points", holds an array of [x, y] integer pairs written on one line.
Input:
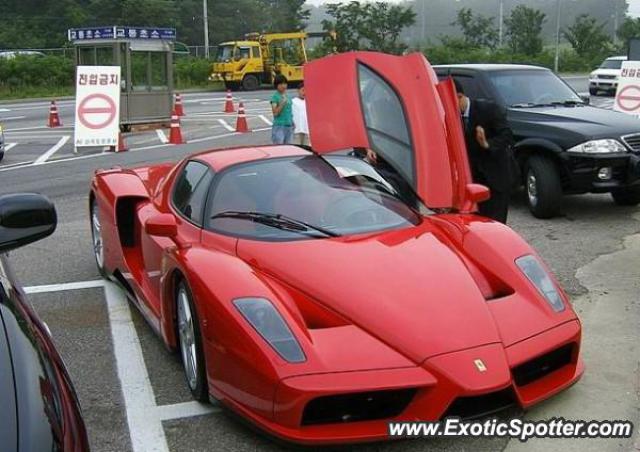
{"points": [[611, 64], [305, 197], [225, 53], [522, 88]]}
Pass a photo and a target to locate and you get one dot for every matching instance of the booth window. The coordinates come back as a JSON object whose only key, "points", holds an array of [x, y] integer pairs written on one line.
{"points": [[159, 79], [104, 56], [87, 56], [139, 72]]}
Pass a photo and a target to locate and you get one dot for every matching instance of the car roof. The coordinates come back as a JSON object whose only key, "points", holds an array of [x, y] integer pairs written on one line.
{"points": [[621, 57], [491, 67], [221, 159]]}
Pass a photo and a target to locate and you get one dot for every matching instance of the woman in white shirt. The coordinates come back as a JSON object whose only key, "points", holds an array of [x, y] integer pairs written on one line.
{"points": [[300, 124]]}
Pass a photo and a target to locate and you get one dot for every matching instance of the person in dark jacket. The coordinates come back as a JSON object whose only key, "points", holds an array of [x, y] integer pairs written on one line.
{"points": [[489, 140]]}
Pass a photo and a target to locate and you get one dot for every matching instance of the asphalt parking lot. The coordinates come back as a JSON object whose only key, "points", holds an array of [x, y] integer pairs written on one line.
{"points": [[132, 390]]}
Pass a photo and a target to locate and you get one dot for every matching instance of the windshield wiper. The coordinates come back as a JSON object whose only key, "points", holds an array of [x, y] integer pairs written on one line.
{"points": [[528, 105], [278, 221], [569, 102]]}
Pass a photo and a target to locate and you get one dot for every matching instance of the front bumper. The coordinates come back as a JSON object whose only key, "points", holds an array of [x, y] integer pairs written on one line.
{"points": [[603, 84], [445, 385], [583, 172]]}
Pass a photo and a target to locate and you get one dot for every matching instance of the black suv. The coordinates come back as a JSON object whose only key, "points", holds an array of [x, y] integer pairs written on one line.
{"points": [[563, 145]]}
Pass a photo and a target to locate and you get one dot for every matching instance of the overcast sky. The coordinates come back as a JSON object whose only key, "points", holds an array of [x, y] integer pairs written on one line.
{"points": [[634, 5]]}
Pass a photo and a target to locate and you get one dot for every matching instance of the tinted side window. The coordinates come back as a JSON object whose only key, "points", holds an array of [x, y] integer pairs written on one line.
{"points": [[471, 86], [386, 122], [190, 191]]}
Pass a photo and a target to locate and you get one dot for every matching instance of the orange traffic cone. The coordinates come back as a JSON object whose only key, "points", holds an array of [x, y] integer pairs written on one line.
{"points": [[241, 123], [175, 135], [54, 117], [228, 105], [178, 105]]}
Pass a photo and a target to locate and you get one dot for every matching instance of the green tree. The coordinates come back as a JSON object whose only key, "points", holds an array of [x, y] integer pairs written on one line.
{"points": [[524, 29], [630, 28], [371, 26], [479, 31], [588, 38]]}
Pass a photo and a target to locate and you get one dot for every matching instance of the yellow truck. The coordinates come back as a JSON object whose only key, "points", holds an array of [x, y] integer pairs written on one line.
{"points": [[257, 59]]}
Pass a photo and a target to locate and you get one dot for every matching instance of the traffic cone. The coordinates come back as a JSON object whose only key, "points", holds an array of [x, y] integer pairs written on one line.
{"points": [[241, 122], [54, 117], [178, 105], [228, 105], [175, 135]]}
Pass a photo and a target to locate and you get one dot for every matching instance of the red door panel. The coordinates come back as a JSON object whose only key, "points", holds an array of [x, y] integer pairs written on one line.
{"points": [[391, 105]]}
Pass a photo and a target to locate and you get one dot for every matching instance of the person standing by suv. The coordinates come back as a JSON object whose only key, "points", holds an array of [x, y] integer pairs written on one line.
{"points": [[282, 128], [489, 140]]}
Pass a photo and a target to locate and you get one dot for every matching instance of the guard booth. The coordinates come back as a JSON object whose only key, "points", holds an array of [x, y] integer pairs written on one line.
{"points": [[145, 56]]}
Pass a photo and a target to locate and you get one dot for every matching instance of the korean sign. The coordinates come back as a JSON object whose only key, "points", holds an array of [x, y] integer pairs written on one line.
{"points": [[97, 106], [628, 93]]}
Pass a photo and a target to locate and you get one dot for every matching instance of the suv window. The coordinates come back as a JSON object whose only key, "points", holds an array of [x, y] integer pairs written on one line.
{"points": [[190, 191], [386, 122]]}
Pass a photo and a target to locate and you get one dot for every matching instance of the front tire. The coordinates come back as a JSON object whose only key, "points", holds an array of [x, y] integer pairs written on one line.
{"points": [[543, 187], [629, 196], [190, 344], [250, 83], [96, 237], [593, 91]]}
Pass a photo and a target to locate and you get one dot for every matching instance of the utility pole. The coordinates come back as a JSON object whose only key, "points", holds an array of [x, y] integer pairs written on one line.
{"points": [[205, 16], [501, 24], [615, 21], [556, 63]]}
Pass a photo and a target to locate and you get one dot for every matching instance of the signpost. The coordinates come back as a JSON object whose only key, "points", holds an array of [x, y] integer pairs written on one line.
{"points": [[628, 93], [97, 106]]}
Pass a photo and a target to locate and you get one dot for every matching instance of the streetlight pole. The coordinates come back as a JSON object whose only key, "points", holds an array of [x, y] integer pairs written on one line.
{"points": [[205, 15], [501, 23], [556, 63]]}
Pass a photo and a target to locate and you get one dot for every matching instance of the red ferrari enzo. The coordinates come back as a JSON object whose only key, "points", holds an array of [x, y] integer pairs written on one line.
{"points": [[309, 295]]}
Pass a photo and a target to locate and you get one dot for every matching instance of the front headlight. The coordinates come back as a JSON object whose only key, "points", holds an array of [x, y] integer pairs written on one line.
{"points": [[268, 322], [535, 272], [593, 75], [607, 146]]}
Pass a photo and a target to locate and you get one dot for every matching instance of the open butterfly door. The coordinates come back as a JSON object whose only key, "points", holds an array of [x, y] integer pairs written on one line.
{"points": [[394, 106]]}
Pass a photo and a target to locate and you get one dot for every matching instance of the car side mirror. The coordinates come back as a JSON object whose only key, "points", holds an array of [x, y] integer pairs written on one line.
{"points": [[162, 225], [477, 193], [586, 99], [25, 218]]}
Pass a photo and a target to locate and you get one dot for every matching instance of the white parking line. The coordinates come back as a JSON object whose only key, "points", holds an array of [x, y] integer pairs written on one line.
{"points": [[55, 148], [226, 125], [11, 118], [9, 146], [145, 426], [186, 409], [65, 286], [266, 120], [161, 136]]}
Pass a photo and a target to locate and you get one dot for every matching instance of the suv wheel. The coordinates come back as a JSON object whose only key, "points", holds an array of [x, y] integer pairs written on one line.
{"points": [[543, 187], [593, 91], [250, 83], [629, 196]]}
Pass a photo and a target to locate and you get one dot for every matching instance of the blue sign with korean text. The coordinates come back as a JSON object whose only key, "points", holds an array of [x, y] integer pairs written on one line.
{"points": [[81, 34], [85, 34], [146, 33]]}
